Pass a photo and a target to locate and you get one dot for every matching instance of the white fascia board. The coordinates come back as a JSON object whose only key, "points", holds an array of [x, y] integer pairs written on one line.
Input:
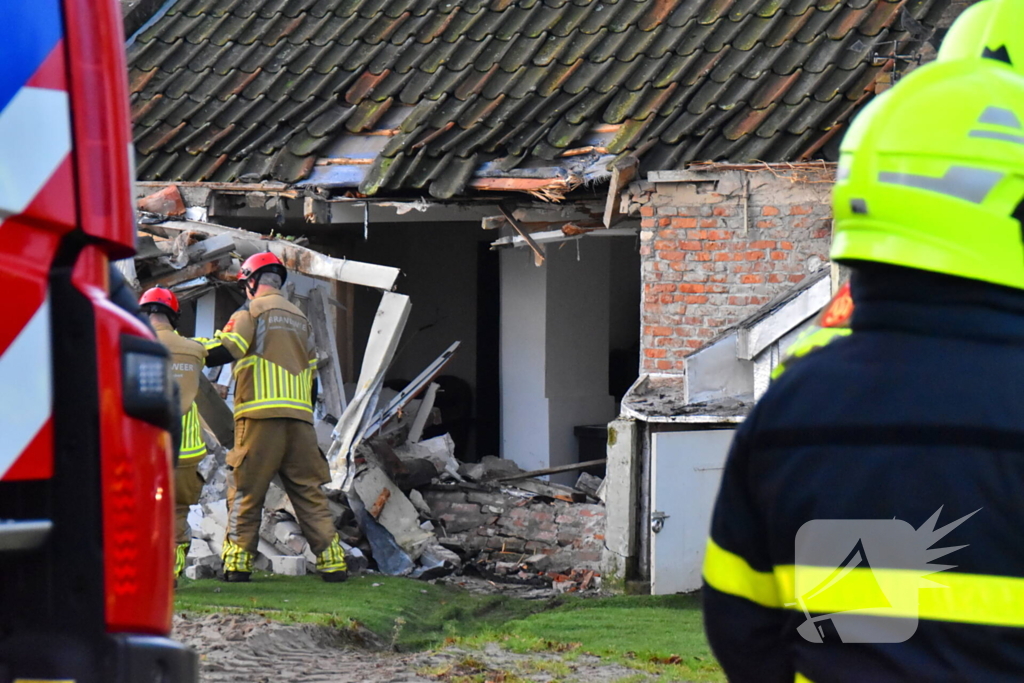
{"points": [[750, 341], [558, 236]]}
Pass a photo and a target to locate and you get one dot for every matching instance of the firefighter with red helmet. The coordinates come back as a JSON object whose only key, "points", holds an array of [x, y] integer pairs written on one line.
{"points": [[270, 342], [188, 357]]}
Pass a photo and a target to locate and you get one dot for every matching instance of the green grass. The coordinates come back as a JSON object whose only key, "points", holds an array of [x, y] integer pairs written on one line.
{"points": [[657, 634]]}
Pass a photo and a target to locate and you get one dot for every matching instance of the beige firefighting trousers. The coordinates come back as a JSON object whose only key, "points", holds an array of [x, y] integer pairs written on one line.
{"points": [[277, 445], [187, 487]]}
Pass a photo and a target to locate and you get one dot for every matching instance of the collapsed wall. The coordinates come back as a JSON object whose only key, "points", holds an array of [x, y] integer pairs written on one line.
{"points": [[550, 535]]}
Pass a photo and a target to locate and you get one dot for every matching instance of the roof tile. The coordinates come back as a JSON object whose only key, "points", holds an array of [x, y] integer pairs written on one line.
{"points": [[881, 17], [785, 27], [226, 89]]}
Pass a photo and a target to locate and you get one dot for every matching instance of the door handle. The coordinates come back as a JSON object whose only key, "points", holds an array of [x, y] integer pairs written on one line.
{"points": [[658, 521]]}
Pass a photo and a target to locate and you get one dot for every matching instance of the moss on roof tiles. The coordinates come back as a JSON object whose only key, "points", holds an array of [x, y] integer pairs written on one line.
{"points": [[226, 88]]}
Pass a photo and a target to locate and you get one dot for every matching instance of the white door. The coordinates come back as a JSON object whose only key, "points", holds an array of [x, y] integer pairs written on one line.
{"points": [[686, 470]]}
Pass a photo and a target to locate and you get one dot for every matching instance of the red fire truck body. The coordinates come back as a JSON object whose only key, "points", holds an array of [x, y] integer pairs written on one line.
{"points": [[85, 396]]}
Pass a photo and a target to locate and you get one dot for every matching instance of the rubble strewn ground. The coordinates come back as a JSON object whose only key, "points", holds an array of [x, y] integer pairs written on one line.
{"points": [[378, 629]]}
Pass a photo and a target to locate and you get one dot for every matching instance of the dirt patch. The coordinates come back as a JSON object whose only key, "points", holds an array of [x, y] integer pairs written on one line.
{"points": [[253, 649]]}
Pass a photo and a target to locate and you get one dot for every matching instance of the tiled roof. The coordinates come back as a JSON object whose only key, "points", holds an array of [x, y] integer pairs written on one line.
{"points": [[394, 95]]}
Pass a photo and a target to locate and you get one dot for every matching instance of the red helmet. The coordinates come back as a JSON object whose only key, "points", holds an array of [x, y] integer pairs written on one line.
{"points": [[258, 262], [161, 297]]}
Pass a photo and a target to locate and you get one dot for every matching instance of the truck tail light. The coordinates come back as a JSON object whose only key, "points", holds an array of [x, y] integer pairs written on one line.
{"points": [[146, 378]]}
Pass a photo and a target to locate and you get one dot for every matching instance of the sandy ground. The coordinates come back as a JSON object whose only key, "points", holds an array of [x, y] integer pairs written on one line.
{"points": [[251, 649]]}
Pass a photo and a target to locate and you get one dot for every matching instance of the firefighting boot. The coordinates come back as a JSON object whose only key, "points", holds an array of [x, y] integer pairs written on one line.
{"points": [[180, 551], [331, 563], [238, 562]]}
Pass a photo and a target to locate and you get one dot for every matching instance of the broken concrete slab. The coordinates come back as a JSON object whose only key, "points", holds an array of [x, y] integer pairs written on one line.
{"points": [[197, 572], [288, 565], [398, 515], [439, 450], [589, 484], [390, 558]]}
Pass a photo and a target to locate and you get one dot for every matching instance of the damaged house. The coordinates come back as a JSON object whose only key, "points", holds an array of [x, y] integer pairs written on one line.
{"points": [[582, 193]]}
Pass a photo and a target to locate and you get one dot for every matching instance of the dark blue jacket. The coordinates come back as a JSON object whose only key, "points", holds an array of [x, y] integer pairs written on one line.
{"points": [[921, 408]]}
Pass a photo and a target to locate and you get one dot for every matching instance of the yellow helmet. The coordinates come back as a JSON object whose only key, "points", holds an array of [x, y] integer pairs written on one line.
{"points": [[931, 174], [992, 29]]}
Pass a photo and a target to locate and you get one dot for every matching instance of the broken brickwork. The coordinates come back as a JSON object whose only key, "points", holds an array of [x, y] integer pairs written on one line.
{"points": [[500, 526], [718, 244]]}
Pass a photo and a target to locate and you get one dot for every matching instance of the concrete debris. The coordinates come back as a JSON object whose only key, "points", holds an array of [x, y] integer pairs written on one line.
{"points": [[589, 484], [439, 450], [416, 498], [288, 565], [489, 468]]}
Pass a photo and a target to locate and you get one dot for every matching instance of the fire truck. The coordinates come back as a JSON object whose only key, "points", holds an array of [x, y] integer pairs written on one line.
{"points": [[86, 401]]}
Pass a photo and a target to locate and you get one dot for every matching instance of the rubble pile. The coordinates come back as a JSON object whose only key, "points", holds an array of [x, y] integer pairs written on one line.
{"points": [[414, 510], [402, 503]]}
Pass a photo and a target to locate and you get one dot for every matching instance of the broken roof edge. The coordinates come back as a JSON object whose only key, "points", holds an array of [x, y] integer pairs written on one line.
{"points": [[698, 171], [550, 183], [661, 398], [295, 257]]}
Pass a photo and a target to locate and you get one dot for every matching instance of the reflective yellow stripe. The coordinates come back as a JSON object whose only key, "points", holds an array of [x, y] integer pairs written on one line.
{"points": [[192, 444], [807, 342], [236, 558], [729, 573], [275, 387], [332, 559], [313, 364], [207, 342], [244, 363], [237, 339], [800, 678], [943, 596], [180, 551], [248, 407]]}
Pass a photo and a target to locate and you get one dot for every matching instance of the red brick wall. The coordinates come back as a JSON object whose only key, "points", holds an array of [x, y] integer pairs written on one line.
{"points": [[706, 266]]}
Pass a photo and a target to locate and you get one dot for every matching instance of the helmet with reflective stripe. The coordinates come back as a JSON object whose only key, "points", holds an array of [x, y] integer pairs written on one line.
{"points": [[931, 174], [265, 261], [990, 29], [160, 300]]}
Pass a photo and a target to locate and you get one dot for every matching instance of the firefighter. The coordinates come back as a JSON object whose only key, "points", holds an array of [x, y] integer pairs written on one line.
{"points": [[969, 37], [910, 422], [271, 344], [187, 361]]}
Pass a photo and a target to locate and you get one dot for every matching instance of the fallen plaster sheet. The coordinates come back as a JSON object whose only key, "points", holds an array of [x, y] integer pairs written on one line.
{"points": [[411, 390], [416, 431], [306, 261], [388, 324]]}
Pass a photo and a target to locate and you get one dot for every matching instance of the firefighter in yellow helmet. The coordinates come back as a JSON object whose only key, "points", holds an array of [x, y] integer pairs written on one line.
{"points": [[187, 360], [987, 30], [270, 342], [867, 521]]}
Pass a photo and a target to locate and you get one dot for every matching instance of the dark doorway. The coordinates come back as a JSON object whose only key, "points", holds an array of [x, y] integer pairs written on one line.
{"points": [[488, 366]]}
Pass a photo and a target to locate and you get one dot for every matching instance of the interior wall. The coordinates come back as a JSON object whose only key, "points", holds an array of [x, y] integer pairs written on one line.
{"points": [[555, 341], [524, 405]]}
